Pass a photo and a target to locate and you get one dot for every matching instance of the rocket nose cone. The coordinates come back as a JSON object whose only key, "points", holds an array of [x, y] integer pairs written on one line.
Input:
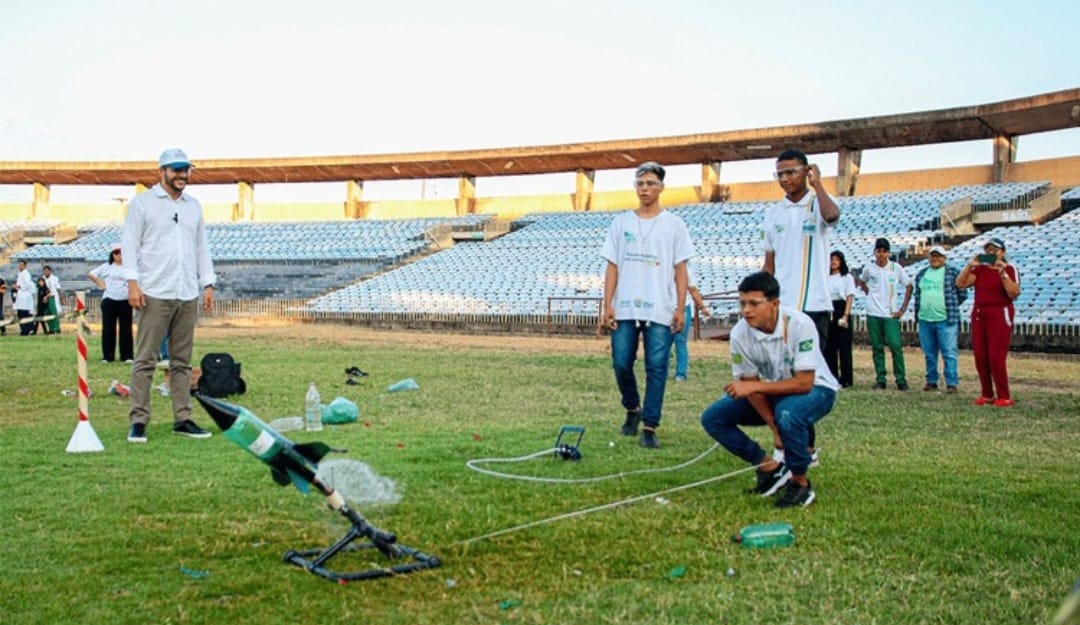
{"points": [[223, 413]]}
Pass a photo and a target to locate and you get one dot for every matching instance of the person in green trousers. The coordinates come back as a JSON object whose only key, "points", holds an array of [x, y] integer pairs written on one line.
{"points": [[880, 281]]}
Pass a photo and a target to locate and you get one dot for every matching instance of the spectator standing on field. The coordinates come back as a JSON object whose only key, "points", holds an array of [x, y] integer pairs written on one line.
{"points": [[44, 308], [682, 352], [167, 265], [842, 292], [997, 284], [25, 296], [795, 240], [55, 307], [880, 280], [937, 311], [115, 308], [644, 298]]}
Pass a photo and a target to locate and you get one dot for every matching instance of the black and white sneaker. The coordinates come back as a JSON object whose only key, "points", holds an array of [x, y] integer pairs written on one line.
{"points": [[633, 419], [137, 433], [189, 429], [768, 482], [796, 495]]}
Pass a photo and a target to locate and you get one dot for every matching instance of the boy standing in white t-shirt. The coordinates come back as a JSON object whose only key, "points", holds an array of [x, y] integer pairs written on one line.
{"points": [[644, 295], [880, 281]]}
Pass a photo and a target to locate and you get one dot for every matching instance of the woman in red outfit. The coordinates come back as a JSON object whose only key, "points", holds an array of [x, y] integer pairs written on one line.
{"points": [[997, 284]]}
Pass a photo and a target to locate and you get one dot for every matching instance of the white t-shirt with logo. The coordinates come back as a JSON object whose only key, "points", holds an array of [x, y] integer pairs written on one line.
{"points": [[791, 346], [840, 286], [646, 252], [883, 284], [798, 236]]}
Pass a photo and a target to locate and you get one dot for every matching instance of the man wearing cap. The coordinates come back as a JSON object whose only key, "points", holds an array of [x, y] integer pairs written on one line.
{"points": [[167, 267], [937, 313], [997, 284], [880, 281]]}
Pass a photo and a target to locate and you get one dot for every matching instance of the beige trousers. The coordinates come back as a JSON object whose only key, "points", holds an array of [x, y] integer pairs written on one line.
{"points": [[158, 318]]}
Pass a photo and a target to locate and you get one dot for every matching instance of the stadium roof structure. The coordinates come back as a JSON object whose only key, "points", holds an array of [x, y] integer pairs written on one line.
{"points": [[1039, 113]]}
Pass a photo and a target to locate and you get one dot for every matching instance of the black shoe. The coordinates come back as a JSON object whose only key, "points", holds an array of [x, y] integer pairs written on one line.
{"points": [[351, 381], [768, 482], [902, 386], [649, 440], [880, 386], [796, 495], [633, 419], [189, 429], [355, 371], [930, 387], [137, 433]]}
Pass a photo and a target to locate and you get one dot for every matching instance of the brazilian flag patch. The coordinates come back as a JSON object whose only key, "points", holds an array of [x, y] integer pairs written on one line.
{"points": [[807, 345], [736, 358]]}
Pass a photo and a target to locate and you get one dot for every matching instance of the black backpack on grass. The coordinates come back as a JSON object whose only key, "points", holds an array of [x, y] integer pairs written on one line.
{"points": [[221, 376]]}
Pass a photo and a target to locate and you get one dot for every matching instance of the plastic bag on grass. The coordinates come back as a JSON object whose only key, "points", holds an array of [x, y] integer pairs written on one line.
{"points": [[340, 410]]}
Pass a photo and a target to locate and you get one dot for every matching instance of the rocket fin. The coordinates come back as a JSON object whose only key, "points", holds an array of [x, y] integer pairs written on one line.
{"points": [[301, 485], [280, 476], [313, 451]]}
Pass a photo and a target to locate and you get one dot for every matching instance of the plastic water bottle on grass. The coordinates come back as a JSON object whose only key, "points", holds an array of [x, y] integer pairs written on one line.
{"points": [[313, 409], [765, 535]]}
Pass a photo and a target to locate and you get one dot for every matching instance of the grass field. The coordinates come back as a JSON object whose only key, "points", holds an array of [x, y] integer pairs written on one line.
{"points": [[929, 509]]}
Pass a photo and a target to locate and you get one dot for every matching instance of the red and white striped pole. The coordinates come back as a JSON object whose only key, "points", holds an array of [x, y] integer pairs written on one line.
{"points": [[84, 439]]}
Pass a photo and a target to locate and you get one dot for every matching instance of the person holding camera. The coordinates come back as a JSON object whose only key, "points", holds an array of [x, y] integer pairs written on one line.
{"points": [[997, 284]]}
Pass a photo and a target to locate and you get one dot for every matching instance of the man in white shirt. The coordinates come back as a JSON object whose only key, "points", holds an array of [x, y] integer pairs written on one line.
{"points": [[880, 281], [795, 239], [53, 283], [25, 300], [644, 296], [781, 381], [167, 265]]}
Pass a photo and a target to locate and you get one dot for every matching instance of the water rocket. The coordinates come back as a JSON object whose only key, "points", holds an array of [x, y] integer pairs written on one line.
{"points": [[298, 464]]}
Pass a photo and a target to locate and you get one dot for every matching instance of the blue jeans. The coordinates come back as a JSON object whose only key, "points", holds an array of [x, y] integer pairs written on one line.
{"points": [[935, 337], [682, 354], [794, 414], [624, 347]]}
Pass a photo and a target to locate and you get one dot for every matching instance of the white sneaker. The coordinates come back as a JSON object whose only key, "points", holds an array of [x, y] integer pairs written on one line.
{"points": [[814, 461]]}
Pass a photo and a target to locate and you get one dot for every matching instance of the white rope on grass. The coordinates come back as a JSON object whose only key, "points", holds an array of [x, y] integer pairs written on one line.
{"points": [[607, 506], [473, 464]]}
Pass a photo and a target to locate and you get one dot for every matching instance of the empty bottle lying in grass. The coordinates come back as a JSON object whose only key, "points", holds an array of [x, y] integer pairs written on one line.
{"points": [[765, 535]]}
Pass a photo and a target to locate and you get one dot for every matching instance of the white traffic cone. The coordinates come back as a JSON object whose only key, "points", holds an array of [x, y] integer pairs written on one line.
{"points": [[84, 439]]}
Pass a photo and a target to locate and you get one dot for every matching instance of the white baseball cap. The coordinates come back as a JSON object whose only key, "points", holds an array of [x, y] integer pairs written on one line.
{"points": [[937, 249], [174, 157]]}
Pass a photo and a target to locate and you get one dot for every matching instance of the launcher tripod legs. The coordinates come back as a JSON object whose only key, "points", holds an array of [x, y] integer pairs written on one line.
{"points": [[386, 542]]}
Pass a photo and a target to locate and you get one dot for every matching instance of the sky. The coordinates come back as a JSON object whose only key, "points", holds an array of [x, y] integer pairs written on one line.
{"points": [[123, 80]]}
